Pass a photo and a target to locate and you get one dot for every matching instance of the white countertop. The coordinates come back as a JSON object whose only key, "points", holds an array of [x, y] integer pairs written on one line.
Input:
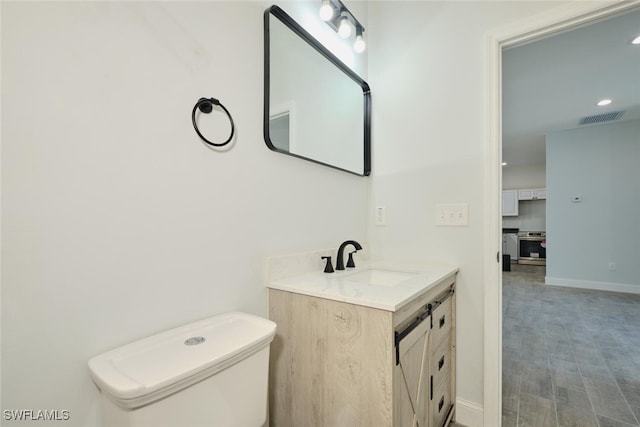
{"points": [[339, 286]]}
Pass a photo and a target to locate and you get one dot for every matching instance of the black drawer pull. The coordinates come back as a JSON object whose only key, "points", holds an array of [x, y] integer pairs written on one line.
{"points": [[442, 321], [441, 404], [441, 363], [431, 394]]}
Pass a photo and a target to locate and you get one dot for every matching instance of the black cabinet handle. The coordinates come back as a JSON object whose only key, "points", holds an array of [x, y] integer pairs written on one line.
{"points": [[441, 404], [431, 387], [441, 363], [442, 321]]}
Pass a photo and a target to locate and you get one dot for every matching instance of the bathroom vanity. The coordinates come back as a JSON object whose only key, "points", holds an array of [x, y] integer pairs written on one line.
{"points": [[374, 346]]}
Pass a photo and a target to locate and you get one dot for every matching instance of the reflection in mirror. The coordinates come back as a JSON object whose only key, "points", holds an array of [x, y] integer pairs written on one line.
{"points": [[315, 107]]}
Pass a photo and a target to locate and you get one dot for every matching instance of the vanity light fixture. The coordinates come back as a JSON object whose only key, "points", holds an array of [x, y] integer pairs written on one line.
{"points": [[359, 45], [604, 102], [326, 10], [341, 20], [344, 29]]}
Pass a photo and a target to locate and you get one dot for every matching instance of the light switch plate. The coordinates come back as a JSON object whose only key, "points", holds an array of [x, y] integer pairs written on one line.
{"points": [[381, 215], [452, 215]]}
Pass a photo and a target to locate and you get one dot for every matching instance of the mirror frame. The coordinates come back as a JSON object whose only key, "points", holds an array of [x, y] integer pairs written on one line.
{"points": [[282, 16]]}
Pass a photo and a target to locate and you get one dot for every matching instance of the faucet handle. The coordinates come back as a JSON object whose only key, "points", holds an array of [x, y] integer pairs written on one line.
{"points": [[328, 268], [350, 263]]}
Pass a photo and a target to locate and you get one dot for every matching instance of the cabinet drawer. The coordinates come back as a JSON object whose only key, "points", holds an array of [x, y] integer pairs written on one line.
{"points": [[442, 322], [441, 403], [440, 363]]}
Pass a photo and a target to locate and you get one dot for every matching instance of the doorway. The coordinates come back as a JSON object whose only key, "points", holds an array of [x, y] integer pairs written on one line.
{"points": [[562, 19]]}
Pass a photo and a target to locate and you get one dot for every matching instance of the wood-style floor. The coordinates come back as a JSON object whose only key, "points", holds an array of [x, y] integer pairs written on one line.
{"points": [[571, 357]]}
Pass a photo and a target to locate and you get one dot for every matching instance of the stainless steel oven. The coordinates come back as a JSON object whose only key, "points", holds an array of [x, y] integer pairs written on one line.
{"points": [[532, 247]]}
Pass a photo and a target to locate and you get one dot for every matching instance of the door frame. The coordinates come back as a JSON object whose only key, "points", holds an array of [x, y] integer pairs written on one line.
{"points": [[563, 18]]}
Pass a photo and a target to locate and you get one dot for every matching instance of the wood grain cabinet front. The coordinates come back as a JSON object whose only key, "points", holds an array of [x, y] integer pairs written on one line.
{"points": [[339, 364], [442, 357]]}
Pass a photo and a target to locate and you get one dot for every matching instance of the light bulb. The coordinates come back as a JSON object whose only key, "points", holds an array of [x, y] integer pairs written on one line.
{"points": [[326, 10], [345, 28], [359, 45]]}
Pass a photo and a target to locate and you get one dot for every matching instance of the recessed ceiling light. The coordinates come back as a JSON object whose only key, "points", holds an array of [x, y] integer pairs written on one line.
{"points": [[603, 102], [636, 40], [504, 163]]}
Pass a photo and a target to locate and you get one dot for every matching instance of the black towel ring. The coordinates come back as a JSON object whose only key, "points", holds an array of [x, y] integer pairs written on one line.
{"points": [[206, 106]]}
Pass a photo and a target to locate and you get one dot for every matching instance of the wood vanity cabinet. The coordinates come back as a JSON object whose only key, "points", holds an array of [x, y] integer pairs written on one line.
{"points": [[341, 364]]}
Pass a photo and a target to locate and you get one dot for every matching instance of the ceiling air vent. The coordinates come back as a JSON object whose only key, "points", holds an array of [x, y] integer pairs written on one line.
{"points": [[601, 118]]}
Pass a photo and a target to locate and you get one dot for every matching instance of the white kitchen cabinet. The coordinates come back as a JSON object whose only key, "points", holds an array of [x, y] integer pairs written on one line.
{"points": [[532, 194], [510, 203]]}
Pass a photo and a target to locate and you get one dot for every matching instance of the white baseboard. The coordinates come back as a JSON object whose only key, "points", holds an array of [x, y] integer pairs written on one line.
{"points": [[599, 286], [469, 414]]}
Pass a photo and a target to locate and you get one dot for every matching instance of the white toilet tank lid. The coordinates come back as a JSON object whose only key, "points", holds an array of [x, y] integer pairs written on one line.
{"points": [[153, 367]]}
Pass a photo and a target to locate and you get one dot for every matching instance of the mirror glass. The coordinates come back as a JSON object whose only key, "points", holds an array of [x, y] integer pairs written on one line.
{"points": [[315, 107]]}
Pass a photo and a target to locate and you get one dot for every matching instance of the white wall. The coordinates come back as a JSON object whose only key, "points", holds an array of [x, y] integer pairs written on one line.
{"points": [[523, 176], [117, 222], [600, 165], [531, 216], [426, 67]]}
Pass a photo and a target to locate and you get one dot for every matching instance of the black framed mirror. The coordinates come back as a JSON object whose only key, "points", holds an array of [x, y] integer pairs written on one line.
{"points": [[315, 107]]}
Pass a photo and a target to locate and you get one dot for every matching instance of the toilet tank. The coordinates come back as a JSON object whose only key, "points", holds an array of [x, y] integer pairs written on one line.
{"points": [[213, 372]]}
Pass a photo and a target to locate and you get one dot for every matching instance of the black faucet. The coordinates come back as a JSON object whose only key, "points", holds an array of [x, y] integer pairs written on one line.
{"points": [[340, 260]]}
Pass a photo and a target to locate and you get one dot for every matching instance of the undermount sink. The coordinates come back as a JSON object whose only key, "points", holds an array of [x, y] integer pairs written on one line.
{"points": [[380, 277]]}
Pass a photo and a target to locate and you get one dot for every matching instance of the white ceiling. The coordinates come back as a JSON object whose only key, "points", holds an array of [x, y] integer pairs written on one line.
{"points": [[550, 84]]}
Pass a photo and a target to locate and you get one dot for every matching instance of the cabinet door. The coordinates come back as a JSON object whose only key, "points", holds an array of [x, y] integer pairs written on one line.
{"points": [[413, 374], [532, 194], [510, 203], [540, 193], [525, 194]]}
